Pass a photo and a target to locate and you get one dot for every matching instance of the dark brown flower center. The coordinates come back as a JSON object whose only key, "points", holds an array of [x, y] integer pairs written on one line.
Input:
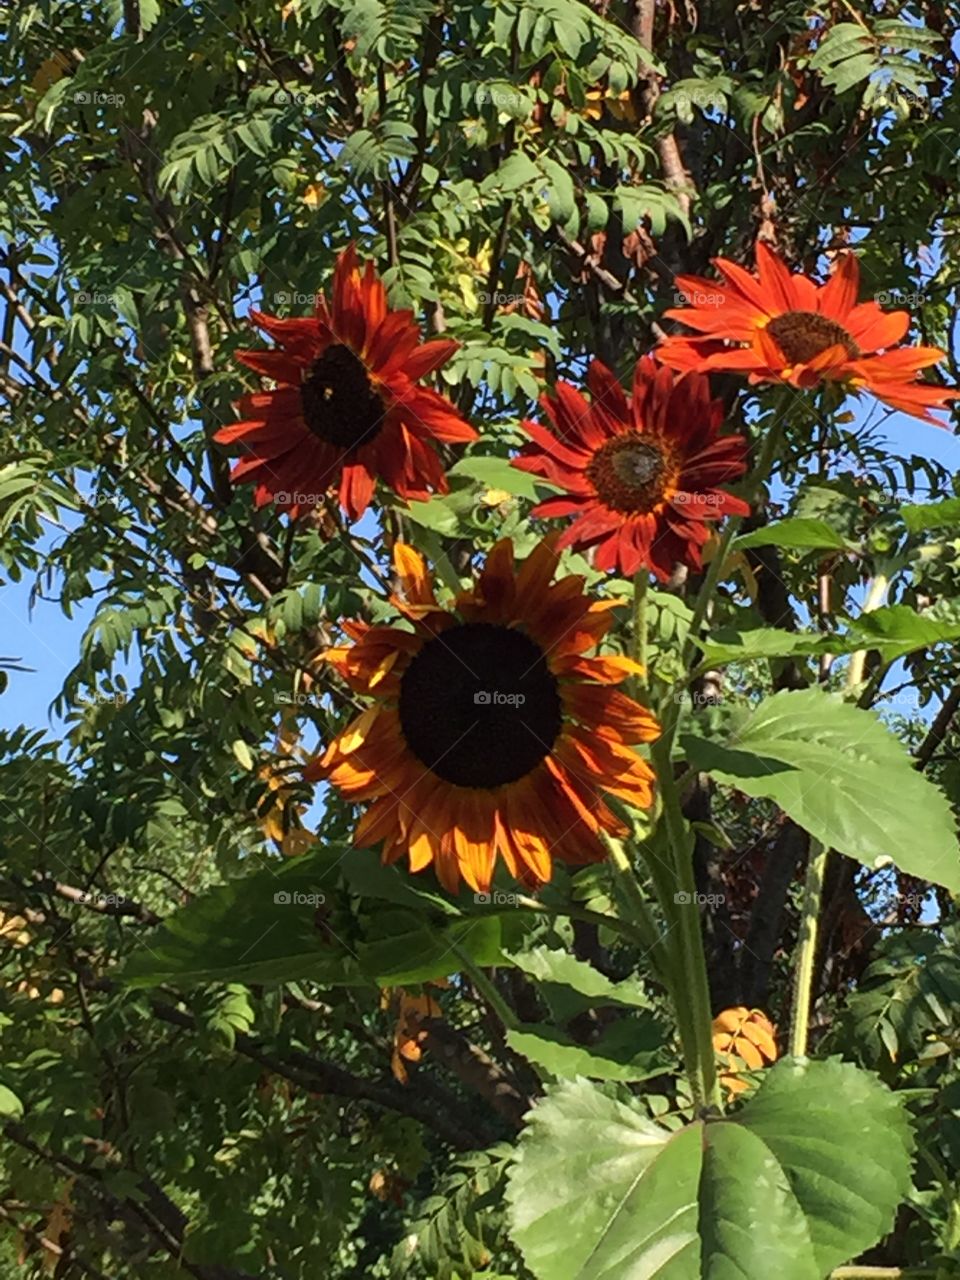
{"points": [[802, 335], [630, 473], [479, 706], [340, 405]]}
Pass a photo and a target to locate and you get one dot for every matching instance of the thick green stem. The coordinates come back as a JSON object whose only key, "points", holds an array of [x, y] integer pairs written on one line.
{"points": [[807, 948], [655, 943], [692, 1007], [487, 989], [640, 584]]}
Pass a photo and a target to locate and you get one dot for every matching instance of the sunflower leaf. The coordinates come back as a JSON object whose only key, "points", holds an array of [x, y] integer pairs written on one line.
{"points": [[797, 740], [805, 1177]]}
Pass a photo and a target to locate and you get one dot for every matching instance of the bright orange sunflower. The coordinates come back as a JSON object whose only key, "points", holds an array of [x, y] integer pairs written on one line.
{"points": [[641, 477], [347, 407], [490, 733], [783, 327]]}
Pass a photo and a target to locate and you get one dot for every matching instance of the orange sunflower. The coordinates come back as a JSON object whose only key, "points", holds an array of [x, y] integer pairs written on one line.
{"points": [[640, 477], [783, 327], [491, 733], [347, 407]]}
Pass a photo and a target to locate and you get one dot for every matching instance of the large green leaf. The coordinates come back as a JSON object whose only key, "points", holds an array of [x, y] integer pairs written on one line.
{"points": [[920, 516], [570, 985], [277, 926], [600, 1191], [838, 772], [804, 1178], [630, 1049], [800, 533], [262, 928]]}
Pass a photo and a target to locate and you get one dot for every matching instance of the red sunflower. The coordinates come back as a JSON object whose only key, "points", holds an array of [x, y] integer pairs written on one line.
{"points": [[641, 477], [783, 327], [490, 734], [347, 407]]}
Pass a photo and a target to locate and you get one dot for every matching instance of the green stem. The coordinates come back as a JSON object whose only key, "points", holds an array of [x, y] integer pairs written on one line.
{"points": [[807, 948], [654, 942], [625, 928], [881, 1273], [487, 989], [693, 1006], [640, 627]]}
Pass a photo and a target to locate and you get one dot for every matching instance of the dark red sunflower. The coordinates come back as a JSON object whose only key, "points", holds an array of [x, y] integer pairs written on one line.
{"points": [[781, 326], [347, 408], [490, 732], [641, 477]]}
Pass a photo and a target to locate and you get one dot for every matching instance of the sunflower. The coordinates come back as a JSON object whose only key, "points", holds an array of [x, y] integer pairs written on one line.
{"points": [[346, 408], [490, 732], [641, 477], [783, 327]]}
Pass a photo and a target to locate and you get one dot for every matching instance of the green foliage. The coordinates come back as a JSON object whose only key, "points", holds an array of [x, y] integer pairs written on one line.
{"points": [[599, 1190], [199, 1077], [797, 739]]}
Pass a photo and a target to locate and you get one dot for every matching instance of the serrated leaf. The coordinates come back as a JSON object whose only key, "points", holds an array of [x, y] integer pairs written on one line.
{"points": [[807, 1176]]}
